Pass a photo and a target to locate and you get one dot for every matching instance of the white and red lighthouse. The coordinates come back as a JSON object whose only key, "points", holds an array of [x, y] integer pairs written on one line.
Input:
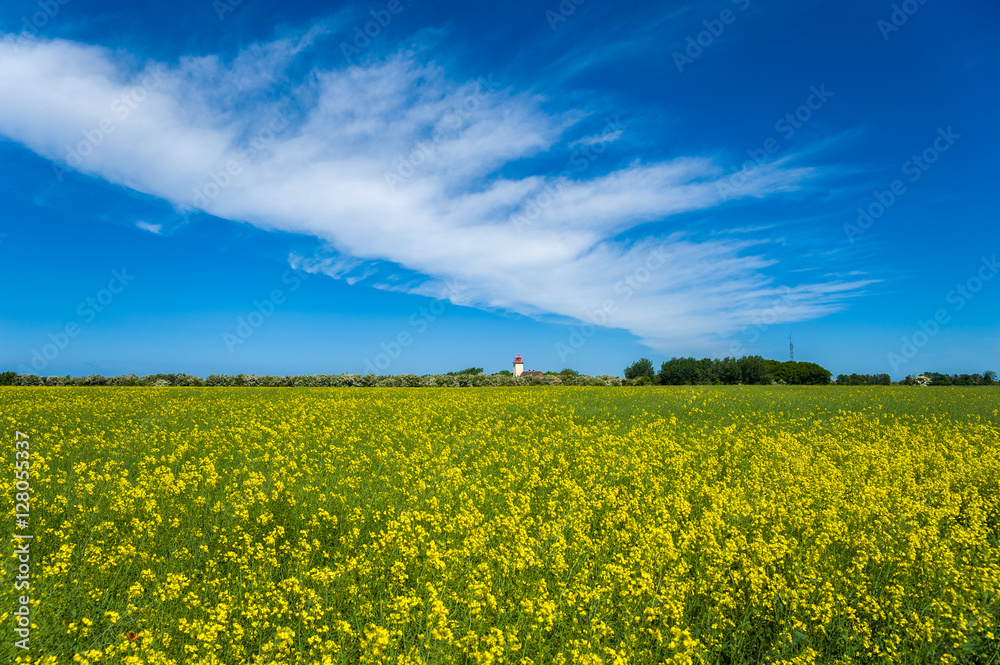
{"points": [[518, 365]]}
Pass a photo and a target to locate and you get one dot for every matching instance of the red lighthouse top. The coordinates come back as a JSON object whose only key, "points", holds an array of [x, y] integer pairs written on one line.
{"points": [[518, 359]]}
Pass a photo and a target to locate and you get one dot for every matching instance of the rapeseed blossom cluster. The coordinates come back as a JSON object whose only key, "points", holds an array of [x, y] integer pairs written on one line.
{"points": [[523, 526]]}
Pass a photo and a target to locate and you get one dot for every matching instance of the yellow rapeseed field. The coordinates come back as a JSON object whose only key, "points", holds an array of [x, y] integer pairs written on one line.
{"points": [[523, 525]]}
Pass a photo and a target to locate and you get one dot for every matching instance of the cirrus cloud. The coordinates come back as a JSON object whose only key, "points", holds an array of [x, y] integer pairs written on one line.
{"points": [[412, 177]]}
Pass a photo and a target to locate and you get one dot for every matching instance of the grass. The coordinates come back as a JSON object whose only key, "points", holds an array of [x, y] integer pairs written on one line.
{"points": [[524, 525]]}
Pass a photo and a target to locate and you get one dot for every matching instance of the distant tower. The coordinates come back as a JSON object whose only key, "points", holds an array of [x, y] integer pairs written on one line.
{"points": [[518, 365], [791, 349]]}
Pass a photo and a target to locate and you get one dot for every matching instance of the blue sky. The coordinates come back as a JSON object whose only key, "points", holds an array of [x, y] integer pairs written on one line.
{"points": [[287, 188]]}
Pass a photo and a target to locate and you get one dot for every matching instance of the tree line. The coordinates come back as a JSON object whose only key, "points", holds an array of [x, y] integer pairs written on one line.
{"points": [[473, 377], [988, 378], [756, 370], [746, 370]]}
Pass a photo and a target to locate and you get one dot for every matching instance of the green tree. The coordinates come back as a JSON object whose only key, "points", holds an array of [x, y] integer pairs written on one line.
{"points": [[864, 380], [779, 371], [471, 370], [706, 372], [641, 367], [811, 374], [753, 370], [938, 379], [680, 372], [728, 371], [799, 373]]}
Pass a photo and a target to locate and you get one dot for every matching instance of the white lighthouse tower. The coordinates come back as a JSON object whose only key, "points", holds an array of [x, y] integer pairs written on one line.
{"points": [[518, 365]]}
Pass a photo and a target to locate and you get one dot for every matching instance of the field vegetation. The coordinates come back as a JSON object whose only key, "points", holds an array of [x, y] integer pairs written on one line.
{"points": [[715, 524]]}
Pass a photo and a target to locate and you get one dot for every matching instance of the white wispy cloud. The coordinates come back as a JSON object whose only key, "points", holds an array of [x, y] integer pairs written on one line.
{"points": [[399, 168], [606, 137], [152, 228]]}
